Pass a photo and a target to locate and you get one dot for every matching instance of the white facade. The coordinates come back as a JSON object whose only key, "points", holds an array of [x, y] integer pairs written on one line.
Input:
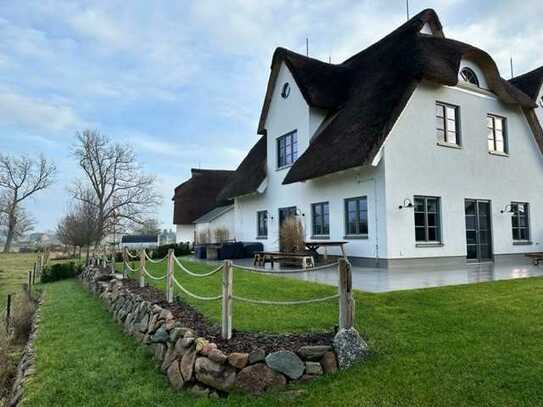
{"points": [[225, 220], [184, 233], [410, 163]]}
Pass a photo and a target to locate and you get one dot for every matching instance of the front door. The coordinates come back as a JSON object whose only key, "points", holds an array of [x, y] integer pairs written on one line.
{"points": [[478, 230]]}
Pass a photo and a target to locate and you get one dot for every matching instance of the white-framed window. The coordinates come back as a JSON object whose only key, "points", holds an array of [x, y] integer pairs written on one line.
{"points": [[497, 134], [447, 123], [287, 149]]}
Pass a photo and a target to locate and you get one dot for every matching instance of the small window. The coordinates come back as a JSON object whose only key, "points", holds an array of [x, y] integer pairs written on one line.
{"points": [[469, 76], [287, 149], [356, 216], [497, 142], [427, 219], [285, 90], [262, 223], [520, 221], [447, 123], [321, 219]]}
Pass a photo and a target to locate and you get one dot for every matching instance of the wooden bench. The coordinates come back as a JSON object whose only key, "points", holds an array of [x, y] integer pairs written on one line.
{"points": [[536, 257], [306, 259]]}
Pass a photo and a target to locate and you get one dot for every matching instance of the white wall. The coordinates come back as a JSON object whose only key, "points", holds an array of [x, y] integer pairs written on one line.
{"points": [[225, 221], [293, 113], [539, 109], [416, 165], [184, 233]]}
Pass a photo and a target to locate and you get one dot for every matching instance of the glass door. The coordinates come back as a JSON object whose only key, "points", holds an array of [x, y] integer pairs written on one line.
{"points": [[478, 230]]}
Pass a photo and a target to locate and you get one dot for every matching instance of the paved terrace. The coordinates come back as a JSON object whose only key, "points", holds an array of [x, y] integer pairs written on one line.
{"points": [[407, 278]]}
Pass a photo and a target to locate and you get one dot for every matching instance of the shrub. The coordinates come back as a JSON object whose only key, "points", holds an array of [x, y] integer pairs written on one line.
{"points": [[291, 236], [181, 249], [60, 271], [204, 237], [221, 235]]}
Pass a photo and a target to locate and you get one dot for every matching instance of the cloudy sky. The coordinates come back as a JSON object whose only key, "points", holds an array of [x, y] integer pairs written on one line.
{"points": [[183, 82]]}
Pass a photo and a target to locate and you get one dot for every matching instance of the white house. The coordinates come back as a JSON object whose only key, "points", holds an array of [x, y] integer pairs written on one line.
{"points": [[413, 148], [134, 242], [219, 219]]}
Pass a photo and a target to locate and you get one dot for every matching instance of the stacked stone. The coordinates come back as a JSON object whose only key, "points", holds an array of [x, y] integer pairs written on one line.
{"points": [[193, 363]]}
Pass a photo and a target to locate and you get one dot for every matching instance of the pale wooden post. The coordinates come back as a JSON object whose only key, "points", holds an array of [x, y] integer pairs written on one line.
{"points": [[169, 289], [113, 254], [346, 304], [227, 283], [41, 262], [125, 263], [142, 266]]}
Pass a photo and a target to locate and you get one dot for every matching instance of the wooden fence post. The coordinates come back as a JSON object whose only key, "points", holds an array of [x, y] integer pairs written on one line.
{"points": [[8, 312], [41, 261], [125, 261], [142, 266], [30, 282], [34, 274], [346, 305], [227, 282], [113, 259], [169, 289]]}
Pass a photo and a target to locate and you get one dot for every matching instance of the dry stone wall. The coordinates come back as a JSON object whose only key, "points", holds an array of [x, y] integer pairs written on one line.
{"points": [[195, 364]]}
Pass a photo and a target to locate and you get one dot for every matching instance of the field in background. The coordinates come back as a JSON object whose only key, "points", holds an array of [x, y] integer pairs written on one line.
{"points": [[14, 268]]}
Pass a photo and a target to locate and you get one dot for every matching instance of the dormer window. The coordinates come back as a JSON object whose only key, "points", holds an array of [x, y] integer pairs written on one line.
{"points": [[469, 76]]}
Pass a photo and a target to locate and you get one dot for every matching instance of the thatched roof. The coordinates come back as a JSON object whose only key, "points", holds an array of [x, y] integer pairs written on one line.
{"points": [[199, 195], [530, 83], [365, 95], [250, 173]]}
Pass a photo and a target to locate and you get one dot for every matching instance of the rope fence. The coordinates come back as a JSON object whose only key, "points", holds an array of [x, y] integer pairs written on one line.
{"points": [[344, 295]]}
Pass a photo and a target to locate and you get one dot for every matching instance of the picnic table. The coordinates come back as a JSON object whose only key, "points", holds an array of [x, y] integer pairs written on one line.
{"points": [[536, 257], [314, 245], [261, 258]]}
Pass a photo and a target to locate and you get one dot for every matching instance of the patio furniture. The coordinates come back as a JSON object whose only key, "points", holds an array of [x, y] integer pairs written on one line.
{"points": [[250, 248], [536, 257], [314, 245], [306, 259]]}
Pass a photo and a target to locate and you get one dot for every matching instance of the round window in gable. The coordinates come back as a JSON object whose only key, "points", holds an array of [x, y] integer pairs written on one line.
{"points": [[468, 75], [285, 90]]}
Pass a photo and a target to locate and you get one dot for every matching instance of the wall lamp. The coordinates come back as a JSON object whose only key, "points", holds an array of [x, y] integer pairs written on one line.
{"points": [[507, 209], [406, 204]]}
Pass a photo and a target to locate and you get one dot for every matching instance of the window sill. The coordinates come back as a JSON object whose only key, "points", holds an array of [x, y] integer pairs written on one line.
{"points": [[522, 242], [320, 237], [500, 154], [430, 244], [449, 145], [284, 167], [261, 237], [355, 237]]}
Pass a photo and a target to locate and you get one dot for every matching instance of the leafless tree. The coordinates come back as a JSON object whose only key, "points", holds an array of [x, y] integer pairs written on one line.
{"points": [[79, 227], [148, 227], [123, 194], [24, 224], [20, 178]]}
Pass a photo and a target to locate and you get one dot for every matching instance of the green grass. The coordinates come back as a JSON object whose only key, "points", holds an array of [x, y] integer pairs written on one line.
{"points": [[14, 268], [462, 345]]}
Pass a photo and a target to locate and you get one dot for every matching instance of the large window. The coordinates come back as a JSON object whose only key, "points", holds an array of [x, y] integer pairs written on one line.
{"points": [[520, 221], [427, 219], [356, 216], [447, 127], [321, 219], [262, 223], [497, 142], [287, 149]]}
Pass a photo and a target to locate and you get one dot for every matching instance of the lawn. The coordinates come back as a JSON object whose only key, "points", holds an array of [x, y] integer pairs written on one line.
{"points": [[463, 345], [14, 268]]}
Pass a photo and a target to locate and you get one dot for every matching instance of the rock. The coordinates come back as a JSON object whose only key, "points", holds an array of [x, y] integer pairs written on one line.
{"points": [[187, 342], [159, 351], [161, 335], [349, 347], [175, 334], [217, 356], [174, 376], [258, 378], [170, 356], [187, 364], [169, 324], [306, 378], [287, 363], [313, 353], [199, 391], [180, 347], [201, 343], [238, 360], [208, 348], [313, 368], [220, 377], [188, 333], [153, 324], [256, 356], [329, 363], [143, 324], [165, 314]]}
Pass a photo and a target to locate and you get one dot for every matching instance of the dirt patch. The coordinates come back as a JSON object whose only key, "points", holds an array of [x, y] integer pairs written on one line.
{"points": [[241, 341]]}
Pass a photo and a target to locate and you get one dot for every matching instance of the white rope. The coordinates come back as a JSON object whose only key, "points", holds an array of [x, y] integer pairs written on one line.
{"points": [[130, 268], [154, 261], [288, 271], [132, 256], [198, 297], [153, 277], [301, 302], [190, 273]]}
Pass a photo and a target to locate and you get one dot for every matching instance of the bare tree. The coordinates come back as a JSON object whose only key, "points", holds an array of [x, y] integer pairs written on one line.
{"points": [[20, 178], [122, 192], [79, 227], [148, 227], [24, 223]]}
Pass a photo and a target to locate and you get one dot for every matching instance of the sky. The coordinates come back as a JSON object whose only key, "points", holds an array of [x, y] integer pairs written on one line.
{"points": [[183, 82]]}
